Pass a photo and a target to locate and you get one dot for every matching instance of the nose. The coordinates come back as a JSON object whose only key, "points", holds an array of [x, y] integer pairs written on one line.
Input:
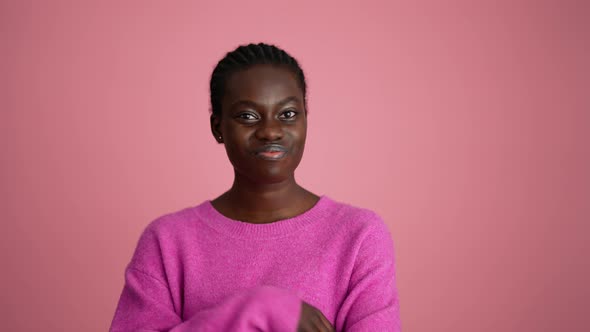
{"points": [[269, 130]]}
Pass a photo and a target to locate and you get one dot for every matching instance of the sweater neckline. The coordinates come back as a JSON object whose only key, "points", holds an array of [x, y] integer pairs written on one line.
{"points": [[279, 228]]}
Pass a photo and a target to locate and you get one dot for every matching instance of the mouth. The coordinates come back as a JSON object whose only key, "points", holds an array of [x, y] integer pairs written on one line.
{"points": [[271, 152]]}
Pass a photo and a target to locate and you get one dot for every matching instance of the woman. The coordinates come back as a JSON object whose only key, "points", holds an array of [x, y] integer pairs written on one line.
{"points": [[267, 255]]}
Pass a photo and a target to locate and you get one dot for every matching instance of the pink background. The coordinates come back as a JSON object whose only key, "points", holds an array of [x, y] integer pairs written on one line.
{"points": [[464, 124]]}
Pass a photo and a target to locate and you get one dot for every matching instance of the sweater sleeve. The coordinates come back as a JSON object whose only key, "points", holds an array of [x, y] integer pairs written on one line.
{"points": [[147, 302], [372, 303], [145, 305]]}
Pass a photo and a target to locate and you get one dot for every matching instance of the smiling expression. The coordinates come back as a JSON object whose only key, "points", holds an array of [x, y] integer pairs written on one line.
{"points": [[263, 122]]}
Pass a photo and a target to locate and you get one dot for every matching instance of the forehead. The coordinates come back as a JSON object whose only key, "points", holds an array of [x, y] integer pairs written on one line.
{"points": [[262, 84]]}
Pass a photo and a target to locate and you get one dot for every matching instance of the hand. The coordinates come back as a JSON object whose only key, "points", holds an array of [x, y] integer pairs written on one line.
{"points": [[312, 320]]}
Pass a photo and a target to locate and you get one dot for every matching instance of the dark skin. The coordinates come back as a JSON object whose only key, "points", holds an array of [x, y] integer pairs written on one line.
{"points": [[263, 105], [263, 126]]}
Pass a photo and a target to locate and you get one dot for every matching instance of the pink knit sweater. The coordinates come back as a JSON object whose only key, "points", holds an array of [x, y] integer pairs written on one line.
{"points": [[197, 270]]}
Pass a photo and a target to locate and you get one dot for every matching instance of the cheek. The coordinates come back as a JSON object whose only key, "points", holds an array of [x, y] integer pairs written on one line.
{"points": [[299, 137], [237, 146], [301, 133]]}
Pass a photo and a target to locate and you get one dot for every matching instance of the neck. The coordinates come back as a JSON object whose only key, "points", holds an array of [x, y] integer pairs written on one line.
{"points": [[264, 202]]}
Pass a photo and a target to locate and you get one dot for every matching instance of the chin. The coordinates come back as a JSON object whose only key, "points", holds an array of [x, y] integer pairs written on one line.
{"points": [[268, 172], [269, 177]]}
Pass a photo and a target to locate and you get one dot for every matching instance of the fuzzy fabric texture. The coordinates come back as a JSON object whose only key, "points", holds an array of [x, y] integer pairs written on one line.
{"points": [[197, 270]]}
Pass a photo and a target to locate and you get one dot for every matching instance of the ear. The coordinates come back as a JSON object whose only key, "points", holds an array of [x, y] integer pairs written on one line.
{"points": [[215, 130]]}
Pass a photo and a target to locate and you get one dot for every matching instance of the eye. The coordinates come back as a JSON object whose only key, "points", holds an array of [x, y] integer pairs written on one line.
{"points": [[247, 116], [288, 114]]}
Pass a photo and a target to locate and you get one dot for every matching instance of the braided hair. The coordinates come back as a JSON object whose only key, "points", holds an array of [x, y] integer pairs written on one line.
{"points": [[244, 57]]}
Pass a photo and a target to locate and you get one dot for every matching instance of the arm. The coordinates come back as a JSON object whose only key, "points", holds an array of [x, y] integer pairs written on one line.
{"points": [[146, 305], [372, 302]]}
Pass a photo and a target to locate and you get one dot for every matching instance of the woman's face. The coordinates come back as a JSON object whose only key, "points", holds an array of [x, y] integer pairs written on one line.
{"points": [[263, 123]]}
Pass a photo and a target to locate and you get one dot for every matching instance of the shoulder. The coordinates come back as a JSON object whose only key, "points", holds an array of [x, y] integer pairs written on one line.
{"points": [[172, 221], [357, 221], [363, 236], [354, 216], [163, 235], [367, 237]]}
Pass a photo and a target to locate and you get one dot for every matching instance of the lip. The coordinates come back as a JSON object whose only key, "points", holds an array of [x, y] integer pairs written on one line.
{"points": [[271, 152]]}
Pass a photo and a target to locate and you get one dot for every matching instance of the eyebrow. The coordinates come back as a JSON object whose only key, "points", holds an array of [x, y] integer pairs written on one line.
{"points": [[253, 104]]}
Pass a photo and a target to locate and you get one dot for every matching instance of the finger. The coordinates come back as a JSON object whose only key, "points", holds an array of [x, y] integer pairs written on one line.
{"points": [[319, 324], [326, 322]]}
